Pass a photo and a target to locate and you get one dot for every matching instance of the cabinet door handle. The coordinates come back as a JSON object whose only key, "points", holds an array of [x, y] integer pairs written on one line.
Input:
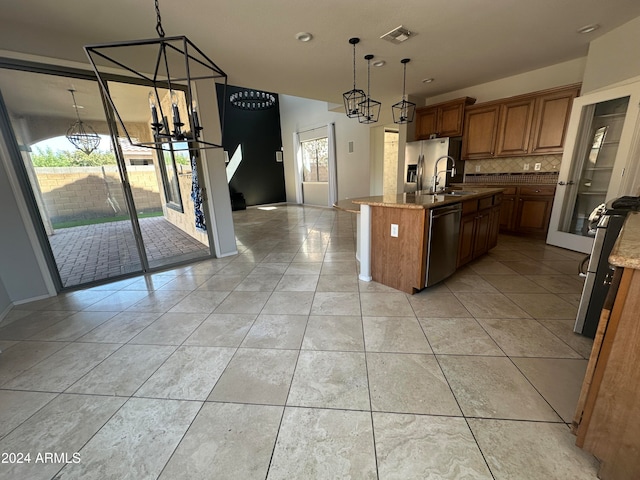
{"points": [[537, 191]]}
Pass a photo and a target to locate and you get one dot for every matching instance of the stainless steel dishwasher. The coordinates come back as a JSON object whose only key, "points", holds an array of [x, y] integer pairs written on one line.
{"points": [[442, 250]]}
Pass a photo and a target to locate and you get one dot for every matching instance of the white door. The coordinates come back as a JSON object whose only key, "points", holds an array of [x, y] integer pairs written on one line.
{"points": [[603, 139]]}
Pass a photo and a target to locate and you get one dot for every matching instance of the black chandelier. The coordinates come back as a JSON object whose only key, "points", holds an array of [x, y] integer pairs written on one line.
{"points": [[252, 100], [354, 97], [175, 69], [403, 111], [84, 138], [369, 109]]}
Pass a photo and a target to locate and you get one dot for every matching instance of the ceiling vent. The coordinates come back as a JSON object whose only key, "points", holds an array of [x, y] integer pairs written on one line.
{"points": [[397, 35]]}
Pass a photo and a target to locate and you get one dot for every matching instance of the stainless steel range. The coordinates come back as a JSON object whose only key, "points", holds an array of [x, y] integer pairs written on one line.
{"points": [[599, 272]]}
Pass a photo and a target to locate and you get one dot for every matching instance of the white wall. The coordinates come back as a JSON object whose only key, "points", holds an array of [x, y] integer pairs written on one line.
{"points": [[299, 114], [613, 57], [21, 265], [5, 301], [557, 75], [314, 193]]}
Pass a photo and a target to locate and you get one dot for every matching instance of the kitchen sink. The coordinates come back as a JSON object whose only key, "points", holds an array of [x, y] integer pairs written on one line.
{"points": [[457, 192]]}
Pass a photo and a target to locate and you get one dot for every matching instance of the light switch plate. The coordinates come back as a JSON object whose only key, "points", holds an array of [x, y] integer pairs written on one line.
{"points": [[537, 166], [526, 166], [477, 168], [394, 230]]}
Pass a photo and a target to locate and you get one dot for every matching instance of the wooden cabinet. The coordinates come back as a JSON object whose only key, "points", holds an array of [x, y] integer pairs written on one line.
{"points": [[525, 209], [508, 210], [481, 128], [516, 118], [426, 122], [478, 227], [551, 119], [534, 210], [442, 119], [531, 124], [494, 225], [399, 262], [467, 236], [607, 419]]}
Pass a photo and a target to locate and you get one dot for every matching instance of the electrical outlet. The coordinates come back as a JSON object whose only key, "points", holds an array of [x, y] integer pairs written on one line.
{"points": [[537, 166], [477, 168], [394, 230], [525, 166]]}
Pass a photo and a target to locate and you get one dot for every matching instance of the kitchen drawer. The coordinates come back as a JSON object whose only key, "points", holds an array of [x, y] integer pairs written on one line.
{"points": [[509, 190], [469, 206], [537, 190], [485, 203]]}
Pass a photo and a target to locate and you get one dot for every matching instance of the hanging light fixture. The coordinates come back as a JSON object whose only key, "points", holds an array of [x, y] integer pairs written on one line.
{"points": [[174, 68], [404, 110], [369, 109], [252, 100], [354, 97], [84, 138]]}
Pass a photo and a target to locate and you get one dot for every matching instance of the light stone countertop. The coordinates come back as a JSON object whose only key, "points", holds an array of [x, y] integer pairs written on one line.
{"points": [[422, 201], [347, 205], [626, 251]]}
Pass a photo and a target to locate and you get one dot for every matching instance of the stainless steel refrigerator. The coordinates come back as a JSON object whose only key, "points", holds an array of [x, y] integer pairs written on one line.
{"points": [[420, 159]]}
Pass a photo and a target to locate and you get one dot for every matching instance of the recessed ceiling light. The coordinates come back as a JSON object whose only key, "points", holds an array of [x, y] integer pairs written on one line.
{"points": [[304, 36], [427, 80], [379, 63], [588, 28]]}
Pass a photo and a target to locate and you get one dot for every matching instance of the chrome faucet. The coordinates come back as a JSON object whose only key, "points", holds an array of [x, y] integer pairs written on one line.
{"points": [[436, 173]]}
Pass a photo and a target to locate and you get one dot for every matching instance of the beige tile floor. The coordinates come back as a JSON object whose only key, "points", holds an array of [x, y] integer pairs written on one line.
{"points": [[278, 363]]}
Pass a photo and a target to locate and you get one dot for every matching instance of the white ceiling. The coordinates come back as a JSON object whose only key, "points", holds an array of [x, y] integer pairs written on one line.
{"points": [[459, 43]]}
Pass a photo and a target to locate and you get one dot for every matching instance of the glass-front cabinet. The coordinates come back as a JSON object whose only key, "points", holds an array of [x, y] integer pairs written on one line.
{"points": [[598, 162]]}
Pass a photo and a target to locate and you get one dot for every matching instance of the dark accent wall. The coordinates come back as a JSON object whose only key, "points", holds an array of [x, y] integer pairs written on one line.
{"points": [[259, 177]]}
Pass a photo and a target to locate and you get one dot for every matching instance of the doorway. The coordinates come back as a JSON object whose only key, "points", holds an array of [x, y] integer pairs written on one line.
{"points": [[105, 212]]}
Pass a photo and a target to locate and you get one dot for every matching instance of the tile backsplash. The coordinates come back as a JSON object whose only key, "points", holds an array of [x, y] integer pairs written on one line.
{"points": [[548, 163]]}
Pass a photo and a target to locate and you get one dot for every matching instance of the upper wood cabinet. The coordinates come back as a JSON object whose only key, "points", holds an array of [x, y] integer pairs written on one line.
{"points": [[532, 124], [443, 119], [514, 129], [551, 120], [481, 127]]}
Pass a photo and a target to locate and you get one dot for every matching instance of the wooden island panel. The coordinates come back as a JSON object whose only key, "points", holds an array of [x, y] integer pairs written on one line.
{"points": [[399, 262]]}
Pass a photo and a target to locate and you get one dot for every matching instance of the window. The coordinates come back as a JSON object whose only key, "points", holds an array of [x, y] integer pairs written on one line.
{"points": [[315, 160], [169, 173]]}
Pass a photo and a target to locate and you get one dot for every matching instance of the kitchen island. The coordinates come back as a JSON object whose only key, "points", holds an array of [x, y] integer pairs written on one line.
{"points": [[394, 233]]}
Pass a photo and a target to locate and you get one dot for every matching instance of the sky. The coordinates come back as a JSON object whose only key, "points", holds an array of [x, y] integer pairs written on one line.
{"points": [[61, 144]]}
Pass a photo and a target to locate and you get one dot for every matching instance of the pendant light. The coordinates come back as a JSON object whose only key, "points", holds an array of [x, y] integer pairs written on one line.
{"points": [[174, 68], [353, 98], [369, 109], [84, 138], [404, 110]]}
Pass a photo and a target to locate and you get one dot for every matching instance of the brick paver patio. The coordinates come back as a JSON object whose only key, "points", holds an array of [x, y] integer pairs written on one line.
{"points": [[95, 252]]}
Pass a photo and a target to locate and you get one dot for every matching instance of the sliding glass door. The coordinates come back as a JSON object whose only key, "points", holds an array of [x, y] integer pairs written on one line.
{"points": [[107, 211], [162, 185]]}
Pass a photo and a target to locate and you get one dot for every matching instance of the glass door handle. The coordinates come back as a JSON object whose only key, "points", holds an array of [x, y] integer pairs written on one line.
{"points": [[570, 182]]}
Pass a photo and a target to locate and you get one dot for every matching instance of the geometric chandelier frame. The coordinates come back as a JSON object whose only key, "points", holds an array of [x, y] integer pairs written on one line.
{"points": [[173, 67], [354, 97]]}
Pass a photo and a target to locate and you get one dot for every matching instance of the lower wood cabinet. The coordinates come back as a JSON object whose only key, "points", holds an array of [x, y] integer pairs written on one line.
{"points": [[533, 214], [478, 227], [526, 209], [399, 262]]}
